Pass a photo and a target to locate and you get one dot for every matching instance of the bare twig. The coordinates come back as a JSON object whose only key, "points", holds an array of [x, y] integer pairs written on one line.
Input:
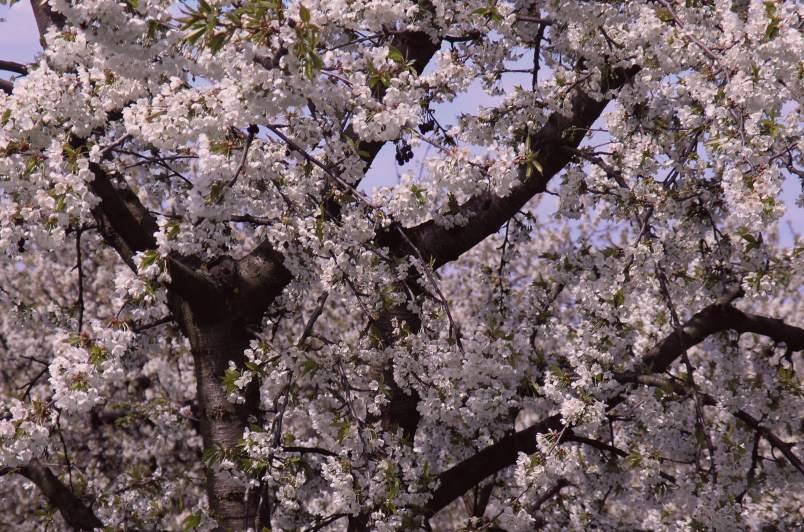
{"points": [[308, 329], [110, 147], [80, 268], [700, 421], [64, 449], [252, 130]]}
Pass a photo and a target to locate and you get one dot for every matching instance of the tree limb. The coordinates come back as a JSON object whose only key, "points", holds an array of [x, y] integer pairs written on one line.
{"points": [[487, 212], [262, 277], [74, 511], [45, 17], [129, 228], [13, 66], [715, 318], [718, 317], [415, 46], [457, 480], [773, 439], [122, 219], [262, 271], [708, 400]]}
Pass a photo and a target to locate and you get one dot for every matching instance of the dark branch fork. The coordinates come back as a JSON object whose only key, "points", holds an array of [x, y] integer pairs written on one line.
{"points": [[487, 211]]}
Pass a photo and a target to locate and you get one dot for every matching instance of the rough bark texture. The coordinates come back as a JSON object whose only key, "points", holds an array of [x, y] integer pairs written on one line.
{"points": [[75, 512], [223, 422], [219, 329]]}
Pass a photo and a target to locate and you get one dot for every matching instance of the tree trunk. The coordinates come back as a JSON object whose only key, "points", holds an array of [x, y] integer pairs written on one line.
{"points": [[222, 422]]}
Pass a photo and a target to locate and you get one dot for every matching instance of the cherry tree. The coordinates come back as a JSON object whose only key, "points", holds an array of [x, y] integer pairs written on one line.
{"points": [[210, 319]]}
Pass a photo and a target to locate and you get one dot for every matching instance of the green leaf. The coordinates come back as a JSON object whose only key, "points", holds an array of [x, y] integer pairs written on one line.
{"points": [[343, 429], [490, 12], [419, 194], [97, 354], [148, 258], [153, 28], [304, 13], [212, 456], [619, 298], [229, 377], [753, 242], [664, 14], [215, 192], [217, 41], [253, 367], [193, 37], [309, 366], [173, 228], [395, 55], [192, 521], [534, 163], [452, 204]]}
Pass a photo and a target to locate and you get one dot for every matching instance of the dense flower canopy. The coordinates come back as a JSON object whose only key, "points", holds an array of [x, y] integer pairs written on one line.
{"points": [[209, 319]]}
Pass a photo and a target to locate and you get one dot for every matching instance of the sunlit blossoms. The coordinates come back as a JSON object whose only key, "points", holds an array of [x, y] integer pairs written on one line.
{"points": [[574, 301]]}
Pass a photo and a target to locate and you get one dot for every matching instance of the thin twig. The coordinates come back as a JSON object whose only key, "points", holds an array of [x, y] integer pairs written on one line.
{"points": [[537, 51], [301, 151], [539, 20], [711, 55], [363, 199], [308, 329], [64, 448], [443, 300], [109, 147], [80, 267], [700, 421], [252, 130], [161, 321]]}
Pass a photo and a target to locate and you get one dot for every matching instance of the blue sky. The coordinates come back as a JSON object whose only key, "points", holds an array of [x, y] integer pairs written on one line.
{"points": [[19, 42]]}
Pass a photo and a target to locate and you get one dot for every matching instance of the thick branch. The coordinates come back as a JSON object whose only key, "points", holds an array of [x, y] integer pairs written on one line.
{"points": [[416, 47], [12, 66], [552, 492], [129, 228], [487, 212], [74, 511], [45, 17], [262, 271], [122, 220], [457, 480], [679, 389], [712, 319], [773, 439], [262, 277]]}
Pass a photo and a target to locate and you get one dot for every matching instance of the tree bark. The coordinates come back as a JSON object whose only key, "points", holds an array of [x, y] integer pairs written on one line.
{"points": [[220, 326], [73, 510], [214, 346]]}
